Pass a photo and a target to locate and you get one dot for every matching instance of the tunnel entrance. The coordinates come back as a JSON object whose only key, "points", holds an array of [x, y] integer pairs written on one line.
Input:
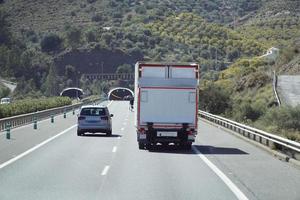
{"points": [[73, 93], [120, 94]]}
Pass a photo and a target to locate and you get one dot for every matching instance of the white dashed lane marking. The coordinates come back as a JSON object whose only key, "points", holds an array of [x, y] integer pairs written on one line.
{"points": [[105, 170], [114, 149]]}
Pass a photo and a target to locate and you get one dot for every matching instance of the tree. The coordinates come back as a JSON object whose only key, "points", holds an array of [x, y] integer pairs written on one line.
{"points": [[51, 42], [125, 68], [4, 32], [51, 84], [214, 99], [74, 36]]}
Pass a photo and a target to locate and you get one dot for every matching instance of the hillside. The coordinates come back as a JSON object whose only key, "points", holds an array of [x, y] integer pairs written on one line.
{"points": [[52, 15], [277, 23], [74, 37]]}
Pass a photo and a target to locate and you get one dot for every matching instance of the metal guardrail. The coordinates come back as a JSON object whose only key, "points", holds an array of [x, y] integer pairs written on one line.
{"points": [[288, 146], [24, 119]]}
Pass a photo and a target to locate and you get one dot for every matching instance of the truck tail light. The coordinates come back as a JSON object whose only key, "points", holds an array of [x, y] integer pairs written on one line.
{"points": [[81, 118], [190, 132]]}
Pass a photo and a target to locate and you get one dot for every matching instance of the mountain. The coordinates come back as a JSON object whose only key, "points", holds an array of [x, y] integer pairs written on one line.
{"points": [[38, 35]]}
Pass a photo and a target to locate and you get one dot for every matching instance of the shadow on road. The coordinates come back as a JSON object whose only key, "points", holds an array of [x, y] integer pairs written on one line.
{"points": [[207, 150], [219, 150], [100, 135], [170, 149]]}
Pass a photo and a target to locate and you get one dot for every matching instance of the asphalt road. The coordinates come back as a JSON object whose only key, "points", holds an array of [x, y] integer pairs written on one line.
{"points": [[288, 88], [98, 167]]}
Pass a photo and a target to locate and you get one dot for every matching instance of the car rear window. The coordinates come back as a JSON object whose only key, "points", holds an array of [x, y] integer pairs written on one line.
{"points": [[93, 111]]}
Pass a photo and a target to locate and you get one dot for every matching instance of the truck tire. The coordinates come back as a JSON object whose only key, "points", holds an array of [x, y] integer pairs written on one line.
{"points": [[186, 146], [141, 145], [149, 147]]}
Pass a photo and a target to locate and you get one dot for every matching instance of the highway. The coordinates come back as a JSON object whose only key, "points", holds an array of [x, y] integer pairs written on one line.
{"points": [[288, 88], [52, 162]]}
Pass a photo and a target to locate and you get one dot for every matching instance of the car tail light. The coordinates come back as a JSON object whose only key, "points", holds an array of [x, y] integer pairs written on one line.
{"points": [[81, 118], [142, 130], [104, 118]]}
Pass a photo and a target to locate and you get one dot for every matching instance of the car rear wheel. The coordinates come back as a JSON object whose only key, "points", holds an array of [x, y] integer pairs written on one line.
{"points": [[141, 145], [79, 133], [108, 133]]}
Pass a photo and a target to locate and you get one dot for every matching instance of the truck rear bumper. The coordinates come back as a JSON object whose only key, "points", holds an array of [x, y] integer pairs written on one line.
{"points": [[152, 137]]}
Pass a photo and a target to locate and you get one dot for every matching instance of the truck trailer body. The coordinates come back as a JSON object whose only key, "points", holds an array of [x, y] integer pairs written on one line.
{"points": [[166, 102]]}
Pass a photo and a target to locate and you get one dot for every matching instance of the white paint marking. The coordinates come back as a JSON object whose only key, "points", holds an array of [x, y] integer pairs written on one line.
{"points": [[105, 170], [35, 147], [109, 103], [119, 137], [114, 150], [237, 192], [122, 129]]}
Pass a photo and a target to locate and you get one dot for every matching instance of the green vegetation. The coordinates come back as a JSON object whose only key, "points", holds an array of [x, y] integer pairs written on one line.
{"points": [[4, 91], [284, 121], [32, 105], [35, 35], [247, 94]]}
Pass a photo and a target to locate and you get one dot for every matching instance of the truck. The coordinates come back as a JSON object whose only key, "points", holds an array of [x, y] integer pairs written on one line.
{"points": [[166, 104]]}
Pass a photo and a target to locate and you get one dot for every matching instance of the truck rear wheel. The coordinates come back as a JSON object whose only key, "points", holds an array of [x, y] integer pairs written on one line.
{"points": [[149, 146], [186, 146]]}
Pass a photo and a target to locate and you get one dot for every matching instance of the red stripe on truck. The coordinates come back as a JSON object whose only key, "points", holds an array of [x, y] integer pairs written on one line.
{"points": [[139, 107], [167, 88]]}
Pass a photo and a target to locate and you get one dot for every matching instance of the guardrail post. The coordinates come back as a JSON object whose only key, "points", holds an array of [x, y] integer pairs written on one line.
{"points": [[34, 122], [73, 111], [52, 118], [65, 113], [7, 127]]}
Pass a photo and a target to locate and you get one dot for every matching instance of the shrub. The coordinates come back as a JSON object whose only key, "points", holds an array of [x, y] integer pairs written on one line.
{"points": [[214, 99], [4, 91], [91, 1], [51, 42], [32, 105], [285, 117], [97, 17]]}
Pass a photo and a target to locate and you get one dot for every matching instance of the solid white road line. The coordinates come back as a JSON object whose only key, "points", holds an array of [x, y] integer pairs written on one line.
{"points": [[109, 103], [237, 192], [114, 149], [105, 170], [35, 147]]}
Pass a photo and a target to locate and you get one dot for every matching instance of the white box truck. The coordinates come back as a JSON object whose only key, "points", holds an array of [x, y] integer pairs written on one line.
{"points": [[166, 103]]}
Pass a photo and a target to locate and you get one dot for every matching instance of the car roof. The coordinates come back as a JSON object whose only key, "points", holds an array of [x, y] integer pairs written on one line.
{"points": [[93, 106]]}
